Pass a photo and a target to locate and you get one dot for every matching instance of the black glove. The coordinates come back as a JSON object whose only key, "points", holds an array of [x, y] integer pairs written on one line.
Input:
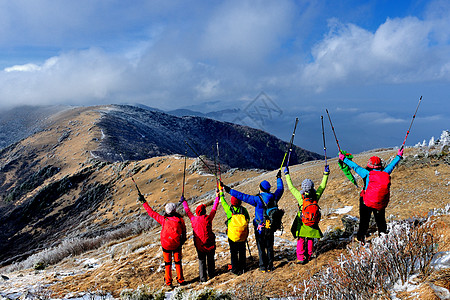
{"points": [[327, 169], [279, 174], [181, 200], [225, 187], [141, 199]]}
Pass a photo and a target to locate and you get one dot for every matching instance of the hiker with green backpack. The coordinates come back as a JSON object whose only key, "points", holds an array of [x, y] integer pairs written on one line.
{"points": [[265, 223], [306, 223], [237, 232]]}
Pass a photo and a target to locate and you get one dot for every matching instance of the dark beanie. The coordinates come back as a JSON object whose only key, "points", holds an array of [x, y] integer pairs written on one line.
{"points": [[265, 186]]}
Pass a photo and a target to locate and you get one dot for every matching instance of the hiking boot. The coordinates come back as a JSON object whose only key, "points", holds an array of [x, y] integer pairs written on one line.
{"points": [[302, 262]]}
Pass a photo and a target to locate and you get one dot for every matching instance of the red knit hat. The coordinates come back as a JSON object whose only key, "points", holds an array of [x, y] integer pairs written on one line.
{"points": [[235, 201], [374, 162], [200, 210]]}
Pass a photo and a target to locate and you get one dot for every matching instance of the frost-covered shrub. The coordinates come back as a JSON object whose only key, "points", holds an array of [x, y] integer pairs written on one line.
{"points": [[203, 294], [370, 271], [143, 292]]}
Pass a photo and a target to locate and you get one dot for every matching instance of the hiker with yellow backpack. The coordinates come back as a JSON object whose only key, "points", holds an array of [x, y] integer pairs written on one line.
{"points": [[237, 232], [306, 223]]}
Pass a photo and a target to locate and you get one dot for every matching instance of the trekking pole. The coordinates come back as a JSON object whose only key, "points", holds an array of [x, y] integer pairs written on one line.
{"points": [[407, 133], [248, 246], [323, 136], [218, 159], [290, 146], [184, 173], [135, 184], [332, 127], [195, 152]]}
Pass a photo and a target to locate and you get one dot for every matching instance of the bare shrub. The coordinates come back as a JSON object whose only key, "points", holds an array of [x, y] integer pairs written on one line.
{"points": [[77, 246], [370, 271]]}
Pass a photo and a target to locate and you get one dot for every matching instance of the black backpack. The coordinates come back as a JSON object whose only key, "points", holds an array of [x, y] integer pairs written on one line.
{"points": [[272, 216]]}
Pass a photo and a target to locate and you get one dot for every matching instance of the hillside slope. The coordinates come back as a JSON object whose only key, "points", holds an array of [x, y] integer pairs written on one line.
{"points": [[419, 185], [74, 215]]}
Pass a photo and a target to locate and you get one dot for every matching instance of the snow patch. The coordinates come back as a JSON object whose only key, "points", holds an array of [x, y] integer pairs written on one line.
{"points": [[344, 210]]}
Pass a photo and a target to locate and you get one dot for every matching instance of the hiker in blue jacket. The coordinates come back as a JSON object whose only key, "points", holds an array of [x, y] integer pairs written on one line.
{"points": [[376, 198], [264, 237]]}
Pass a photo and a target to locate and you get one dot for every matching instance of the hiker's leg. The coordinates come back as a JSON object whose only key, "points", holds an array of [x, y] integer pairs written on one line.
{"points": [[202, 266], [301, 249], [260, 243], [177, 258], [270, 252], [242, 256], [234, 256], [211, 264], [364, 220], [167, 255], [380, 219], [310, 247]]}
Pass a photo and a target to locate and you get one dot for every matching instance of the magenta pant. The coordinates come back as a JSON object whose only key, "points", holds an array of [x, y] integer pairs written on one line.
{"points": [[304, 246]]}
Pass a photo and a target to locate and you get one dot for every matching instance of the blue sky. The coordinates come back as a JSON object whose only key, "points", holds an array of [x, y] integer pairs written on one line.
{"points": [[367, 62]]}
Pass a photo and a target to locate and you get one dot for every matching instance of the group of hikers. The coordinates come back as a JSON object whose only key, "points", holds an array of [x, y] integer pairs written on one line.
{"points": [[374, 198]]}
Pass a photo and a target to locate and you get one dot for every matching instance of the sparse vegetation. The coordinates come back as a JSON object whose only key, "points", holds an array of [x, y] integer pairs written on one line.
{"points": [[370, 272]]}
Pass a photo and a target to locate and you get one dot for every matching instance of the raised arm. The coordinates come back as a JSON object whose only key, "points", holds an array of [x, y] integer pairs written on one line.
{"points": [[296, 193], [153, 214], [358, 169], [323, 184], [390, 167], [214, 208], [187, 210]]}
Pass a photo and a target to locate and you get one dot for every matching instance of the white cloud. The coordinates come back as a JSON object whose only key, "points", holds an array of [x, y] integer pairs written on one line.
{"points": [[401, 50], [378, 118], [247, 31]]}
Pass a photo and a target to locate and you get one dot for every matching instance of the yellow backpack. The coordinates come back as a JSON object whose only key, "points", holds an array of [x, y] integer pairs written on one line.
{"points": [[237, 226]]}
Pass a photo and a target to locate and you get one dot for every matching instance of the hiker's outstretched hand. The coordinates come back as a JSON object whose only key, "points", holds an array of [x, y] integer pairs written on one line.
{"points": [[286, 170], [326, 170], [400, 152], [225, 187], [181, 200], [279, 174], [141, 199], [341, 156]]}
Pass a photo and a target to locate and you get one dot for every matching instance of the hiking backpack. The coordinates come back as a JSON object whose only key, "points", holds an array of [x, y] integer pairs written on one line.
{"points": [[237, 225], [310, 210], [272, 216], [173, 233], [377, 193]]}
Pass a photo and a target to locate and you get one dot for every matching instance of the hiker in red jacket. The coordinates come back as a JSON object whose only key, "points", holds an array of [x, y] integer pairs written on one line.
{"points": [[173, 236], [204, 237], [375, 194]]}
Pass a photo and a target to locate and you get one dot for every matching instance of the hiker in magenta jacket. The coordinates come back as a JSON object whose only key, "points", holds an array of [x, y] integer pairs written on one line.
{"points": [[204, 237], [365, 211], [170, 217], [264, 239], [306, 234]]}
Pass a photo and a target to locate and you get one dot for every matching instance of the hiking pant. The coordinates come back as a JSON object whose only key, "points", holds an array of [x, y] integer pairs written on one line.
{"points": [[206, 262], [167, 254], [364, 220], [264, 241], [304, 248], [238, 257]]}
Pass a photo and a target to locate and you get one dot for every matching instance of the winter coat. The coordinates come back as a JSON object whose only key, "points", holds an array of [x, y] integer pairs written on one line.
{"points": [[227, 209], [302, 229], [364, 173], [204, 237], [161, 219], [255, 200]]}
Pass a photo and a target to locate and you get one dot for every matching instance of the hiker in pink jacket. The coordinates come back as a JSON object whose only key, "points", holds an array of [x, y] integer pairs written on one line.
{"points": [[204, 237]]}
